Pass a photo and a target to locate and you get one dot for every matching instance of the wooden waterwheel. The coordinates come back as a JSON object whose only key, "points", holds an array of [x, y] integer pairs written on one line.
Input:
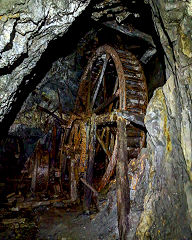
{"points": [[106, 128], [103, 134]]}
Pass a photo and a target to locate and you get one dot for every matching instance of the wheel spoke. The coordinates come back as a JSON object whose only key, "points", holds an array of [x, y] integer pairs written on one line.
{"points": [[100, 79], [116, 85], [103, 146], [107, 102], [110, 168], [105, 89], [89, 97], [98, 145]]}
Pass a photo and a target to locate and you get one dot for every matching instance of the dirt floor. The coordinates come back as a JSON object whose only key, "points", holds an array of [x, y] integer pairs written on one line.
{"points": [[59, 222]]}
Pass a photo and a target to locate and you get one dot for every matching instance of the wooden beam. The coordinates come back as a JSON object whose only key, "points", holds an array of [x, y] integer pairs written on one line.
{"points": [[91, 158], [122, 181], [110, 168], [52, 114], [98, 145], [73, 182], [89, 186], [108, 118], [107, 102], [100, 79], [130, 31], [103, 146]]}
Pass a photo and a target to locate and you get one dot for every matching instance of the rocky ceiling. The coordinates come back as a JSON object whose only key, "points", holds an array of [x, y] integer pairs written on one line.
{"points": [[162, 208], [30, 37]]}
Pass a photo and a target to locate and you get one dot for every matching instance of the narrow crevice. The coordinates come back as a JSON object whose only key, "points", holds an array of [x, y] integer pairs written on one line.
{"points": [[10, 68], [9, 45]]}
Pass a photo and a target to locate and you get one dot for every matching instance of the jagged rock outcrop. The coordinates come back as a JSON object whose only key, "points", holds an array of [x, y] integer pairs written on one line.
{"points": [[26, 29]]}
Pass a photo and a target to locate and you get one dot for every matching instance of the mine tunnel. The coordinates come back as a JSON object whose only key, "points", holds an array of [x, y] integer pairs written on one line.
{"points": [[91, 115]]}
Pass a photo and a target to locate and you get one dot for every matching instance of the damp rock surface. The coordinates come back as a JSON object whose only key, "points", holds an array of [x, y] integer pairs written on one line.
{"points": [[167, 203], [26, 29]]}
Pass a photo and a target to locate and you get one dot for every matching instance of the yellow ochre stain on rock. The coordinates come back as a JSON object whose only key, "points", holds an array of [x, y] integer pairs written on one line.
{"points": [[167, 135], [160, 97], [4, 18]]}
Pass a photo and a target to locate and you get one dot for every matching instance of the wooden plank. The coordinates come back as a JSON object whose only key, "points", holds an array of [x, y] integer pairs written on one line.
{"points": [[62, 161], [98, 145], [53, 147], [103, 146], [35, 160], [107, 102], [110, 168], [100, 79], [73, 182], [106, 118], [109, 118], [89, 186], [91, 158], [84, 148], [130, 31], [53, 115]]}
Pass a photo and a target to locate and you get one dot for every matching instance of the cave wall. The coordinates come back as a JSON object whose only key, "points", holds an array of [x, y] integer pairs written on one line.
{"points": [[26, 29], [165, 205], [167, 212]]}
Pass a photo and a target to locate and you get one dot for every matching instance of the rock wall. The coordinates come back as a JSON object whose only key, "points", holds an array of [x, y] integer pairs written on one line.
{"points": [[163, 199], [167, 208], [26, 28]]}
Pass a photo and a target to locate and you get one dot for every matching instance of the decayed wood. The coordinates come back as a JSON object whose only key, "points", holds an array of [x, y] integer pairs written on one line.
{"points": [[33, 204], [35, 168], [60, 104], [62, 161], [88, 107], [73, 182], [95, 193], [100, 79], [83, 154], [130, 31], [122, 181], [107, 128], [110, 168], [53, 146], [107, 102], [91, 156], [53, 115], [98, 145], [89, 186], [103, 146], [106, 118]]}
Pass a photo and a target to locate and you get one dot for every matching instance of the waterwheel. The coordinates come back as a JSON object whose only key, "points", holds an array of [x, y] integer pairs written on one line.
{"points": [[102, 135], [106, 128]]}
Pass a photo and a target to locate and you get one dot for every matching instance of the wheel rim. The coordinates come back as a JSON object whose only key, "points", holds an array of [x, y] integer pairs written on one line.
{"points": [[91, 96]]}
